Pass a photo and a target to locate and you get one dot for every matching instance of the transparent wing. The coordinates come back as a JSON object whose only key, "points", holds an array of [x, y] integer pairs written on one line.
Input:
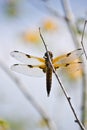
{"points": [[69, 57], [71, 67], [27, 59], [74, 67], [29, 69]]}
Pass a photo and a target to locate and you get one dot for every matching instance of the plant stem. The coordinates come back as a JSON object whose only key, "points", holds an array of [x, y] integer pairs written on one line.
{"points": [[73, 29]]}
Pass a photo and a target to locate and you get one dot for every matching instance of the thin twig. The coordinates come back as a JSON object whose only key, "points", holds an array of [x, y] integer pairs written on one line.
{"points": [[82, 39], [73, 29], [84, 99], [50, 124], [70, 21], [67, 10], [62, 87]]}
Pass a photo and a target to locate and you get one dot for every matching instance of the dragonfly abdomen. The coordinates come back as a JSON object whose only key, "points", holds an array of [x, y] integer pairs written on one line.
{"points": [[48, 80]]}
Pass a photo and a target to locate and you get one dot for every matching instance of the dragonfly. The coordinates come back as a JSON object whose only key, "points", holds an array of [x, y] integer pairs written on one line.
{"points": [[37, 66]]}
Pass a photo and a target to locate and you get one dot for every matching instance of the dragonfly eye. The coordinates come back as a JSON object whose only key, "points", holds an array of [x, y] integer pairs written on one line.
{"points": [[46, 55]]}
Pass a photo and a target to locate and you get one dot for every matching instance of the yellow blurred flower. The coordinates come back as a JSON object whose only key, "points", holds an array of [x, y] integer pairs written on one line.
{"points": [[32, 36], [75, 71], [4, 125], [49, 25], [43, 123]]}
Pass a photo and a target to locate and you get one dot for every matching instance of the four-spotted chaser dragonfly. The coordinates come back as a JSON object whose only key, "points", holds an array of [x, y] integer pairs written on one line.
{"points": [[36, 66]]}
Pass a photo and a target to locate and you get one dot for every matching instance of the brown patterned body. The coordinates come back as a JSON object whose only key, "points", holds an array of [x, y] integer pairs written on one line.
{"points": [[48, 80], [48, 72]]}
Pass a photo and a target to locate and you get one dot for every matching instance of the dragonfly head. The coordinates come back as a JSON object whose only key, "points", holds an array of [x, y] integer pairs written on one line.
{"points": [[50, 54]]}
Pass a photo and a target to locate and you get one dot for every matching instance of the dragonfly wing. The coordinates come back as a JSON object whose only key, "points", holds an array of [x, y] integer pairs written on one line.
{"points": [[71, 67], [74, 67], [69, 57], [27, 59], [29, 69]]}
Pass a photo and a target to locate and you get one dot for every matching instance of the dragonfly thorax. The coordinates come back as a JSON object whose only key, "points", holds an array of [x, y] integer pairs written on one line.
{"points": [[46, 57], [50, 55]]}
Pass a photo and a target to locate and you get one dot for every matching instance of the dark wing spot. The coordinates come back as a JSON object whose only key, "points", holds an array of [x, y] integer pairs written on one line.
{"points": [[68, 54], [16, 51], [79, 62], [40, 67], [57, 67], [30, 66], [43, 69], [28, 56], [67, 64], [16, 64], [79, 49]]}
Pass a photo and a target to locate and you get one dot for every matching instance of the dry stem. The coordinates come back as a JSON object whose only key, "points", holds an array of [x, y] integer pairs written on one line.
{"points": [[84, 100], [72, 28], [82, 39]]}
